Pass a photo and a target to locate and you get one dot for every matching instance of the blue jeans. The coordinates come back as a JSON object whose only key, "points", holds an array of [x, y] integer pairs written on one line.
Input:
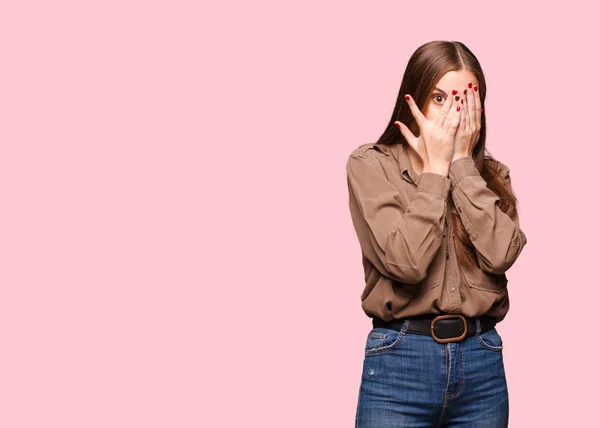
{"points": [[410, 380]]}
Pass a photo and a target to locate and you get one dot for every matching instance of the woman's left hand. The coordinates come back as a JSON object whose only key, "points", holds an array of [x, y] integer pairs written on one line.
{"points": [[467, 133]]}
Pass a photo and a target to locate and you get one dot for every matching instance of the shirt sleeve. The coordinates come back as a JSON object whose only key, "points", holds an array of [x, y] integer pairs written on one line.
{"points": [[497, 237], [399, 237]]}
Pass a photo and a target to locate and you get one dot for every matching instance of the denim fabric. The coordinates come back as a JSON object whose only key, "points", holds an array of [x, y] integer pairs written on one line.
{"points": [[410, 380]]}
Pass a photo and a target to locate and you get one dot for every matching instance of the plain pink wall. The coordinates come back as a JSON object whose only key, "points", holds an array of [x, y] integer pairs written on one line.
{"points": [[176, 244]]}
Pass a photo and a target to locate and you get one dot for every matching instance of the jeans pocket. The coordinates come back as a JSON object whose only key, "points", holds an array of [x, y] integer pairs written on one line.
{"points": [[490, 340], [381, 340]]}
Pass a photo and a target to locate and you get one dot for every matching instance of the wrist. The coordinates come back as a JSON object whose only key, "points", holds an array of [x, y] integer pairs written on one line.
{"points": [[437, 168], [459, 155]]}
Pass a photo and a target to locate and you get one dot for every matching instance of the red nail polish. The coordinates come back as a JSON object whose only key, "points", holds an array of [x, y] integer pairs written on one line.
{"points": [[475, 88], [470, 84], [461, 101], [407, 97], [454, 91], [465, 92], [457, 108]]}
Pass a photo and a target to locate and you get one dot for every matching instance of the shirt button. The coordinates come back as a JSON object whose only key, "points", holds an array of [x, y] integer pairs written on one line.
{"points": [[453, 289]]}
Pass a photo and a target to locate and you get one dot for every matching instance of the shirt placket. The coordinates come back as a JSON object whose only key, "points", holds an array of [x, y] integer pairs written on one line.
{"points": [[452, 280]]}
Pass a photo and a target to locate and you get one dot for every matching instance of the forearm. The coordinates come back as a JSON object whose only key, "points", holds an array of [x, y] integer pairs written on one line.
{"points": [[497, 237]]}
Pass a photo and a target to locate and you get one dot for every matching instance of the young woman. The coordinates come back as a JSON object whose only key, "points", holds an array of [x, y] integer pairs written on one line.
{"points": [[438, 228]]}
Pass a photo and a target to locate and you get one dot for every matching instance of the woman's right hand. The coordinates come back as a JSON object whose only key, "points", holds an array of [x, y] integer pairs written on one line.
{"points": [[435, 144]]}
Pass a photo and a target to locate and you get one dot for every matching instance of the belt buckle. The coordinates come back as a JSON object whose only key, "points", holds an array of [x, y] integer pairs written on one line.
{"points": [[448, 339]]}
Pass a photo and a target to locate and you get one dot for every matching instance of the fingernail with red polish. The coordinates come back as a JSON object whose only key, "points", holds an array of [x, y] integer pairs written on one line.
{"points": [[475, 88], [454, 91], [407, 97], [457, 108], [461, 101], [470, 84]]}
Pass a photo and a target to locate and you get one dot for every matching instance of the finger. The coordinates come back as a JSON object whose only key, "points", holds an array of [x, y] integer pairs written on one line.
{"points": [[441, 116], [414, 109], [408, 135], [463, 118], [477, 102], [455, 121], [447, 118], [452, 114], [471, 103], [466, 120]]}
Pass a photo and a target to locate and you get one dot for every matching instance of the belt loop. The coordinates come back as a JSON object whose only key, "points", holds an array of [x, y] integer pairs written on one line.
{"points": [[404, 326], [478, 323]]}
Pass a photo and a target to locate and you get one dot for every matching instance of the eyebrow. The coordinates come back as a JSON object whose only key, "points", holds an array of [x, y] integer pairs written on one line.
{"points": [[441, 90]]}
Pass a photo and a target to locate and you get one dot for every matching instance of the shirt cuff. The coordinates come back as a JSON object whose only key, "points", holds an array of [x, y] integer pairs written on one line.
{"points": [[434, 183], [461, 168]]}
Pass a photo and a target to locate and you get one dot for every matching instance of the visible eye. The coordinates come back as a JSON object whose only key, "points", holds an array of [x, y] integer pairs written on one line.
{"points": [[439, 98]]}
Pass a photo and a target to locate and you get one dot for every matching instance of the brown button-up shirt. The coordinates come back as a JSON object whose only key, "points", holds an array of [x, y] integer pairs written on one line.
{"points": [[402, 221]]}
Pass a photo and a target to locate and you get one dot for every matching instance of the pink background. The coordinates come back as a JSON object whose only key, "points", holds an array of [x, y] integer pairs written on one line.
{"points": [[176, 244]]}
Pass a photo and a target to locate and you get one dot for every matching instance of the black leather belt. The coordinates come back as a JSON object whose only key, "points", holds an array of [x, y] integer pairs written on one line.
{"points": [[443, 328]]}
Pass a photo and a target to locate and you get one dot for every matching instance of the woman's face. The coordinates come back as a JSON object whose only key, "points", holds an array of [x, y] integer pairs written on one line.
{"points": [[453, 80]]}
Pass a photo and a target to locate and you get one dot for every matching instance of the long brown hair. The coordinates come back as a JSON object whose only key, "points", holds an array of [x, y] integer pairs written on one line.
{"points": [[428, 64]]}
